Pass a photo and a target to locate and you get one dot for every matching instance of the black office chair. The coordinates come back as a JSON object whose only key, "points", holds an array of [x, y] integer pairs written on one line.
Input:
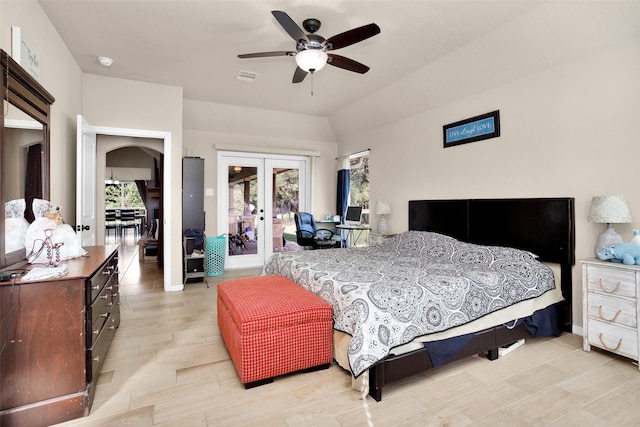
{"points": [[310, 236]]}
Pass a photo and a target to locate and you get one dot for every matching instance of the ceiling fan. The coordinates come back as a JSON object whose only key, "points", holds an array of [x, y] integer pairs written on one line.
{"points": [[311, 49]]}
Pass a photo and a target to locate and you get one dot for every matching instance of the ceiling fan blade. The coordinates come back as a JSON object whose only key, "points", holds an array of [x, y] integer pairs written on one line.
{"points": [[289, 25], [266, 54], [352, 36], [299, 75], [347, 64]]}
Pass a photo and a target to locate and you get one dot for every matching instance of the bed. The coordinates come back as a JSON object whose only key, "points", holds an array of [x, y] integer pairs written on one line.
{"points": [[386, 325]]}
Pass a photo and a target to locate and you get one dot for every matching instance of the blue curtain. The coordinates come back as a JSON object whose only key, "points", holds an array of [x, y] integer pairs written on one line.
{"points": [[342, 199]]}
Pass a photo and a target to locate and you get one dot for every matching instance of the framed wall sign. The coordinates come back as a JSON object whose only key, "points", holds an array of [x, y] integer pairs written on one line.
{"points": [[24, 54], [474, 129]]}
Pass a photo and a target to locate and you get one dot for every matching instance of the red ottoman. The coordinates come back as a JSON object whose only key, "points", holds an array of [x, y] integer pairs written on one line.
{"points": [[272, 326]]}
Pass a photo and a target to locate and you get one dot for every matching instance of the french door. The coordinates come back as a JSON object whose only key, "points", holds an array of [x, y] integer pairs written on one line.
{"points": [[258, 195]]}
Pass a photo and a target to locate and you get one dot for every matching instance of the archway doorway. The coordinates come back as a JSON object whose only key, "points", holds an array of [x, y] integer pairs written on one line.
{"points": [[132, 187]]}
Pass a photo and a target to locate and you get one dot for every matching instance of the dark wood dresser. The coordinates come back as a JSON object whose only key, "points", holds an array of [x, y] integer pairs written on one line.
{"points": [[56, 334]]}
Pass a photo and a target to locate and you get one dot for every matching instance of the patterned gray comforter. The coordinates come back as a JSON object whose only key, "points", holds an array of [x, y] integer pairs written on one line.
{"points": [[413, 284]]}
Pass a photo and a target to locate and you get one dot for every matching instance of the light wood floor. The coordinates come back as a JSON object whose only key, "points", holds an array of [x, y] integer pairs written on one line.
{"points": [[168, 366]]}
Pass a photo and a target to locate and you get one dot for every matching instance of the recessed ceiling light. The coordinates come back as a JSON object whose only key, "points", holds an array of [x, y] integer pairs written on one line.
{"points": [[105, 61]]}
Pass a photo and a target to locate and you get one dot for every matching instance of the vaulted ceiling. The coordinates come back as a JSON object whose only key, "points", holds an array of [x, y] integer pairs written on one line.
{"points": [[194, 44]]}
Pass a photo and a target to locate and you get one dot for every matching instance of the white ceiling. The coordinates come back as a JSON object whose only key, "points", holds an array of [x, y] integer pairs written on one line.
{"points": [[194, 44]]}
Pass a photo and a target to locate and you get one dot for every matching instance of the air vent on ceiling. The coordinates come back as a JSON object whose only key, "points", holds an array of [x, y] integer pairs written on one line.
{"points": [[247, 76]]}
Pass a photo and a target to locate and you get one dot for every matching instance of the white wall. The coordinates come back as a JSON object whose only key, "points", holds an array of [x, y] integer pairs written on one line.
{"points": [[208, 124], [567, 130], [61, 76], [128, 104]]}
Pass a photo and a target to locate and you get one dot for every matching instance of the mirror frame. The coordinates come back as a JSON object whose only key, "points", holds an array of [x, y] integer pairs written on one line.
{"points": [[24, 92]]}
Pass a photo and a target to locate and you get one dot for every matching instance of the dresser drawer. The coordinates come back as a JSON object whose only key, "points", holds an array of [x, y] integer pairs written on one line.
{"points": [[115, 310], [100, 278], [610, 309], [97, 315], [612, 281], [98, 352], [616, 339]]}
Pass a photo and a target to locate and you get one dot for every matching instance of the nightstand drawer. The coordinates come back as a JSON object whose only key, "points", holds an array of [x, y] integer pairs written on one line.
{"points": [[611, 281], [609, 309], [616, 339]]}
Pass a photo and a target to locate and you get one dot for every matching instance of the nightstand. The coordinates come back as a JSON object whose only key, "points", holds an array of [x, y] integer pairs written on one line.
{"points": [[377, 238], [610, 307]]}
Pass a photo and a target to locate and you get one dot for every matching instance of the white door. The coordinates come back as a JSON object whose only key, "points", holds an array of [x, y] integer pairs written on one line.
{"points": [[257, 198], [86, 182]]}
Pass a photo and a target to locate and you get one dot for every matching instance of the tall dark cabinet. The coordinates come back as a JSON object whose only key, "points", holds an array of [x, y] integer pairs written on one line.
{"points": [[192, 193], [193, 219]]}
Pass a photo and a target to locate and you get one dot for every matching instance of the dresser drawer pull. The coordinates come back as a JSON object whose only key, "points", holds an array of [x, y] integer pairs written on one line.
{"points": [[96, 359], [613, 319], [95, 287], [103, 314], [104, 296], [608, 291], [607, 347], [96, 332]]}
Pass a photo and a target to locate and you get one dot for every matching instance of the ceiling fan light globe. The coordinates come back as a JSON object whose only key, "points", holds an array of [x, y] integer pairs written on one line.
{"points": [[311, 59]]}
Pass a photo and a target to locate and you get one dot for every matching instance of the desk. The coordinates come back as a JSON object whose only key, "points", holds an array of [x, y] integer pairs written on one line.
{"points": [[353, 238], [327, 225]]}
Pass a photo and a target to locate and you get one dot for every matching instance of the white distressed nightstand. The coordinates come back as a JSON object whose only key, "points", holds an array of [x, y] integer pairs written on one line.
{"points": [[377, 238], [610, 308]]}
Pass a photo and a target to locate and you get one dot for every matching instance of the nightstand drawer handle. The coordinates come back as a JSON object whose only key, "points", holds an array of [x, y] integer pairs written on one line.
{"points": [[613, 319], [608, 291], [610, 348]]}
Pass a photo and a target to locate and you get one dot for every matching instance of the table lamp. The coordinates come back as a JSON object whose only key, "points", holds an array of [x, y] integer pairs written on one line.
{"points": [[608, 210], [382, 209]]}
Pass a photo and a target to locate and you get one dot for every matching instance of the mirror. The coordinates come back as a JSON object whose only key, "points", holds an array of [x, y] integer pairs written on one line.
{"points": [[24, 144]]}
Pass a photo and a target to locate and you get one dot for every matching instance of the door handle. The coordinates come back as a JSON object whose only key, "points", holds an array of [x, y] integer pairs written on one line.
{"points": [[83, 227]]}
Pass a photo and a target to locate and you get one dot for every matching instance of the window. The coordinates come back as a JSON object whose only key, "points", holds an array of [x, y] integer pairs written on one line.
{"points": [[122, 195], [359, 184]]}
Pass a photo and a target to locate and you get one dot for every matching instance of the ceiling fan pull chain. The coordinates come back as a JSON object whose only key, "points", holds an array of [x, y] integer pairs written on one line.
{"points": [[312, 84]]}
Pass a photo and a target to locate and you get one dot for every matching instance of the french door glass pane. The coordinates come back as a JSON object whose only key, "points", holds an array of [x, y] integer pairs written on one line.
{"points": [[286, 202], [243, 200]]}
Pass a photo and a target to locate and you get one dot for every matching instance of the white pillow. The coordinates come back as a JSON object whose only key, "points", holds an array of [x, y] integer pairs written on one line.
{"points": [[15, 208]]}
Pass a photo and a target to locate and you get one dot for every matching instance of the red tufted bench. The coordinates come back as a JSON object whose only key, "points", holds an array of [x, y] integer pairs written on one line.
{"points": [[272, 327]]}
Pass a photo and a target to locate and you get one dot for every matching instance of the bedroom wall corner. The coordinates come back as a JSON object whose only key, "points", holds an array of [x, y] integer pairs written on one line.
{"points": [[566, 131]]}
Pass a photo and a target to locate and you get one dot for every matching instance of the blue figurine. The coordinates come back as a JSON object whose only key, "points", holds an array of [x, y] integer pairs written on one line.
{"points": [[626, 253]]}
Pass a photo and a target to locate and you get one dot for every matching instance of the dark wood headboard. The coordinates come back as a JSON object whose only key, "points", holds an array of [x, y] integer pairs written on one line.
{"points": [[544, 226]]}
